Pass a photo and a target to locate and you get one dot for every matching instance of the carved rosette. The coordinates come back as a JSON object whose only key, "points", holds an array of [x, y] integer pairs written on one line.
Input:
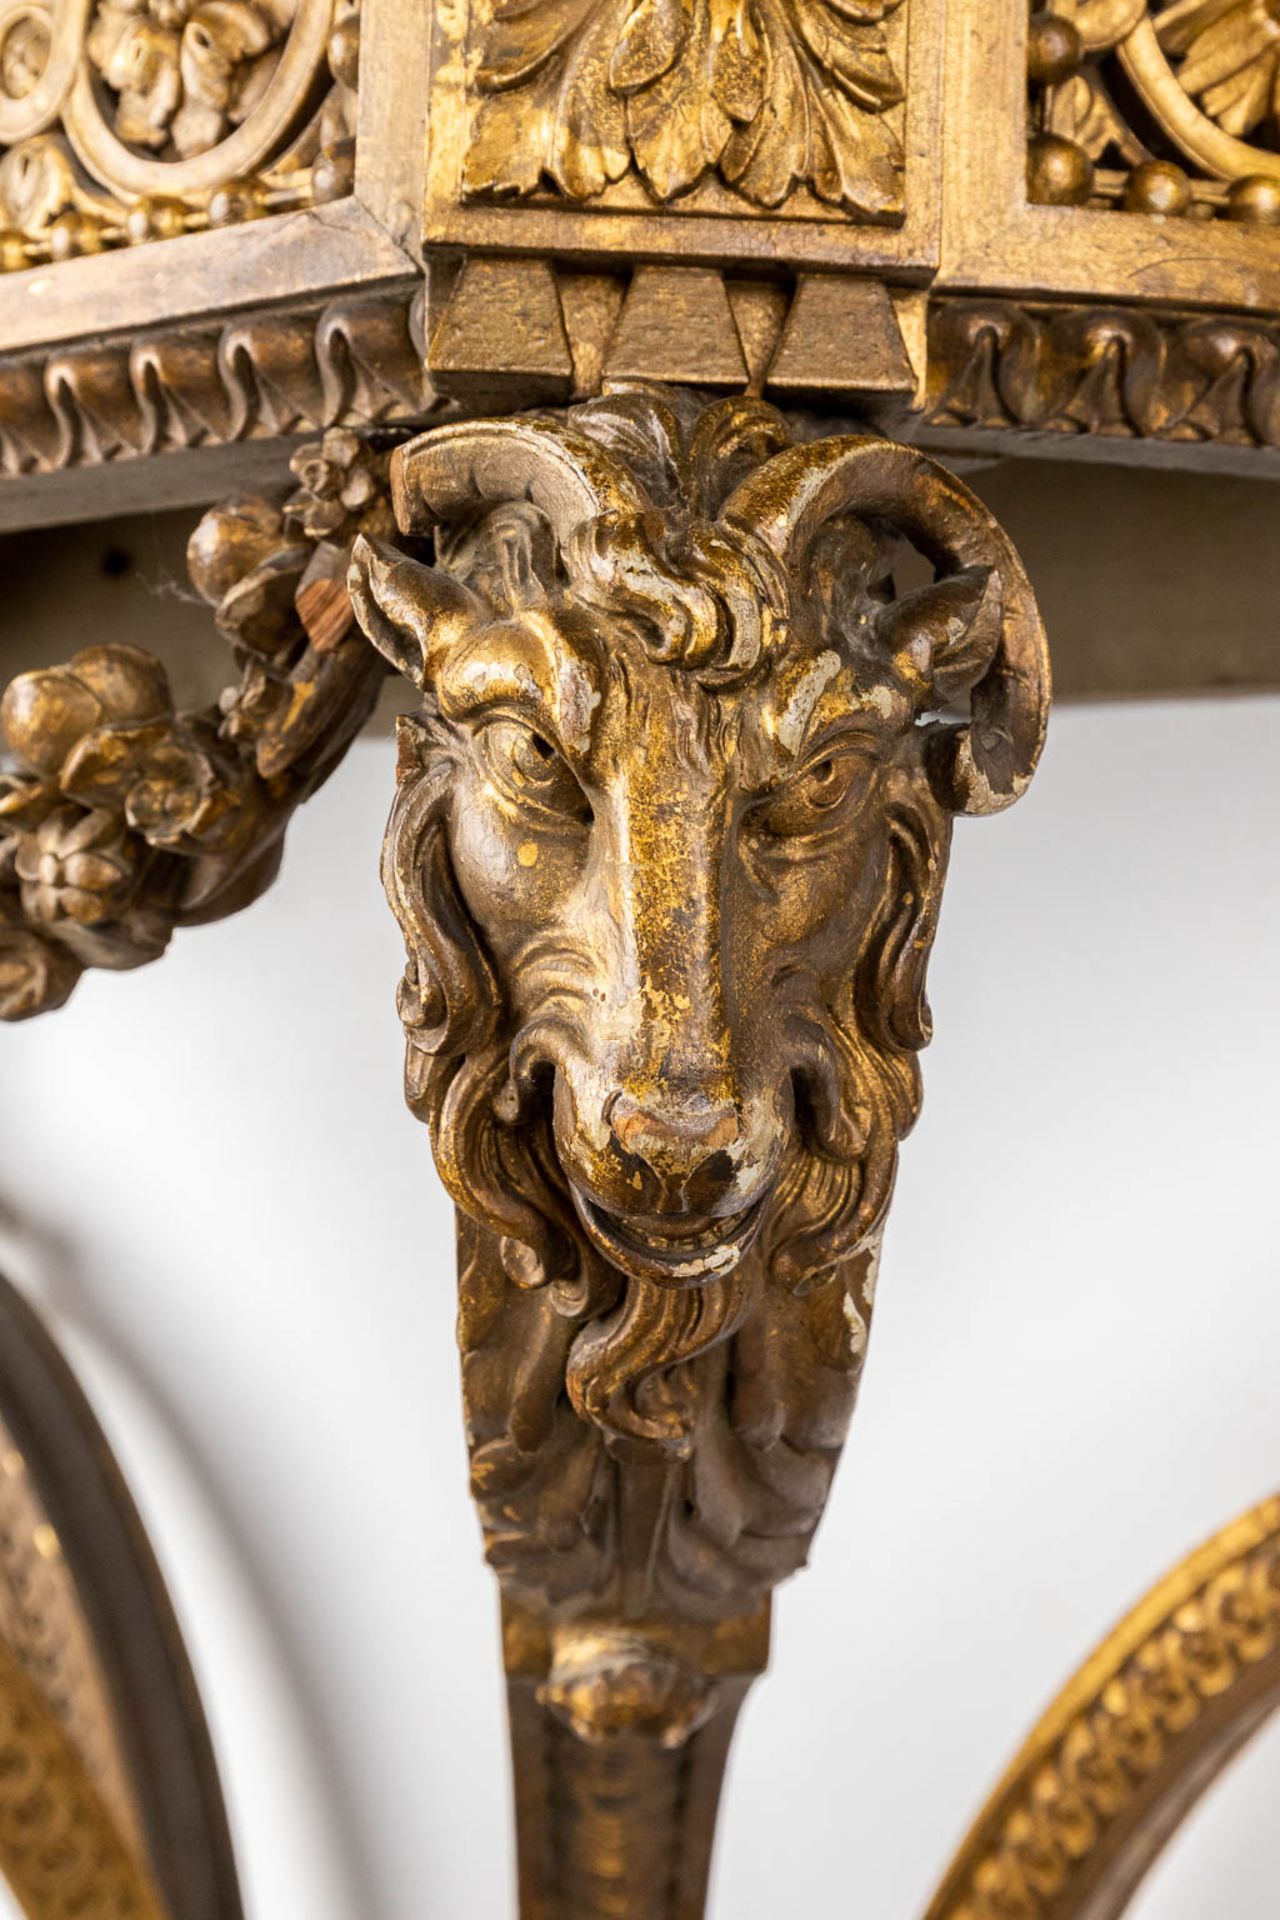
{"points": [[131, 120], [786, 104], [668, 850], [121, 819], [1162, 107]]}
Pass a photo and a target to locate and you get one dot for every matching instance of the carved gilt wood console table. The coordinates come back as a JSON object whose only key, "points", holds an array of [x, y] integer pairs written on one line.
{"points": [[595, 366]]}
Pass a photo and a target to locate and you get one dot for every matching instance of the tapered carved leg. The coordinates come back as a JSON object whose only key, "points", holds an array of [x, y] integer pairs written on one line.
{"points": [[668, 851]]}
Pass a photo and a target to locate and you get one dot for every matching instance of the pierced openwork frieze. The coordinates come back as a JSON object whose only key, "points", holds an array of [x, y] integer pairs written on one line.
{"points": [[131, 120], [668, 850], [1163, 107], [120, 819]]}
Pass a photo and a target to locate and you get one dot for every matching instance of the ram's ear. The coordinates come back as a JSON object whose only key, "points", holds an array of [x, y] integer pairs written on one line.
{"points": [[413, 614], [943, 638], [895, 958]]}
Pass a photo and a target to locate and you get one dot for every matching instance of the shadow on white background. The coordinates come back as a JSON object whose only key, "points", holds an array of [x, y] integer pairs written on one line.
{"points": [[1071, 1378]]}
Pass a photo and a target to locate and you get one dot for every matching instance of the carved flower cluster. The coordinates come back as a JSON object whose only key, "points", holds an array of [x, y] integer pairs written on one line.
{"points": [[106, 781], [276, 577], [97, 748], [184, 72], [771, 94], [121, 819], [342, 489]]}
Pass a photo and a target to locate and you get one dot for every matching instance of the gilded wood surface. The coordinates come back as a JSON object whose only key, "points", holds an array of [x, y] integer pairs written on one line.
{"points": [[775, 97], [133, 120], [355, 361], [121, 819], [1119, 373], [61, 1854], [1163, 107], [109, 1798], [71, 1839], [1132, 1741], [668, 849], [44, 1628]]}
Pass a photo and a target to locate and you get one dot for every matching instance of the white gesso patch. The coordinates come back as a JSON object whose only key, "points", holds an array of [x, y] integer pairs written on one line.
{"points": [[857, 1328], [795, 717], [578, 703], [884, 700]]}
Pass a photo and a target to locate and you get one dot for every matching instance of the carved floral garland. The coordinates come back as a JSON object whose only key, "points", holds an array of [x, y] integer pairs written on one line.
{"points": [[121, 819]]}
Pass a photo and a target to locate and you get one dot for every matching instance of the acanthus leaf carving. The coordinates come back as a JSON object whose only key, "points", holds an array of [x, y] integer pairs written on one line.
{"points": [[780, 95]]}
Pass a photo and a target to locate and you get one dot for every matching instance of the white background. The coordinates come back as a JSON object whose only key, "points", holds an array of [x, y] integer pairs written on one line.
{"points": [[208, 1178]]}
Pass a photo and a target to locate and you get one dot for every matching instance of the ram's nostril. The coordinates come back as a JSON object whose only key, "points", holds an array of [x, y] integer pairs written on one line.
{"points": [[717, 1170]]}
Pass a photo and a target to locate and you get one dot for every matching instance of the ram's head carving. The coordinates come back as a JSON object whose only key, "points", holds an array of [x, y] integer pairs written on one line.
{"points": [[671, 835]]}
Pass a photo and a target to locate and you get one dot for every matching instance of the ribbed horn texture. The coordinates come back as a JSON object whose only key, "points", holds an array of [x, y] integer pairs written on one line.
{"points": [[984, 764], [465, 467]]}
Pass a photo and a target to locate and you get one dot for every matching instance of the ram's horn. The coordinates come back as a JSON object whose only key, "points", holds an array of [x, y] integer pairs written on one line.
{"points": [[455, 470], [985, 764]]}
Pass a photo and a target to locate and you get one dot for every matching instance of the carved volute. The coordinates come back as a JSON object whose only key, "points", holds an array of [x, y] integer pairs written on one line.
{"points": [[668, 851]]}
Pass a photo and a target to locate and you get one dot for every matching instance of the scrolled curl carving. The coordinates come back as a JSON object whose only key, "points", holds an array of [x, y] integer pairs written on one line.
{"points": [[121, 819], [667, 852]]}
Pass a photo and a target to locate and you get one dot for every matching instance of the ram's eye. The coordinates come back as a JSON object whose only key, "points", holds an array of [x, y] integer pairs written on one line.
{"points": [[821, 796], [528, 770]]}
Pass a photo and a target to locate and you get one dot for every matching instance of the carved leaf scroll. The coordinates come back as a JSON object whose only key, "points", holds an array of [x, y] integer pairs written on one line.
{"points": [[769, 95]]}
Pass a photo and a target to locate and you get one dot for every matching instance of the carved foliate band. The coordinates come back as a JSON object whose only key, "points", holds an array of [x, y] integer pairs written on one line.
{"points": [[1139, 1733]]}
